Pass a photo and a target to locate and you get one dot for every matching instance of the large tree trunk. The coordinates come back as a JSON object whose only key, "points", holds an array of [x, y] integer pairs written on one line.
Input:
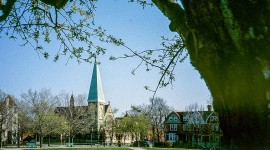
{"points": [[228, 43], [239, 93]]}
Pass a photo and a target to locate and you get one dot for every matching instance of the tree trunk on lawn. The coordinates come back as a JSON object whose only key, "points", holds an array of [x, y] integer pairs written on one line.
{"points": [[40, 140], [49, 139], [158, 135], [18, 137], [228, 43]]}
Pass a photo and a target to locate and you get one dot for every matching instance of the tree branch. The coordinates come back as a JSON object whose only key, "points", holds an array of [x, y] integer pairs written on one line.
{"points": [[175, 14], [6, 9]]}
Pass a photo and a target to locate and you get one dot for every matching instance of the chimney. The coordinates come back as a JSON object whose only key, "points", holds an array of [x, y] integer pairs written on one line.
{"points": [[209, 107]]}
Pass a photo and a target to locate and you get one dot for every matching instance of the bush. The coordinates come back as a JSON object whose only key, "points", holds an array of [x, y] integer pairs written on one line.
{"points": [[179, 145], [163, 144], [141, 144], [168, 144]]}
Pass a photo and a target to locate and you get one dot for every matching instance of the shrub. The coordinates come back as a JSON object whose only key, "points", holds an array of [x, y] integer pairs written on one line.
{"points": [[168, 144]]}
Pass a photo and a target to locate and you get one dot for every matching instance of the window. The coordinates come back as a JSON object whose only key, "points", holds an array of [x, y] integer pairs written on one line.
{"points": [[170, 118], [175, 118], [172, 137], [216, 128], [173, 127], [185, 118]]}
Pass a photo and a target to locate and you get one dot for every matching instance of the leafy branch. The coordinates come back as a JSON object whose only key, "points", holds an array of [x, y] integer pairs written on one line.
{"points": [[164, 59]]}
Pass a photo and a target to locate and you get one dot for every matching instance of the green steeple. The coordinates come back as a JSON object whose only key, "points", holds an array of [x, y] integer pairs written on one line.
{"points": [[96, 91]]}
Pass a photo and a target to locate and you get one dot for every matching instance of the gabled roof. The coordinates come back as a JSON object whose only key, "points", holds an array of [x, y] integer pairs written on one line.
{"points": [[205, 115], [173, 113], [96, 92]]}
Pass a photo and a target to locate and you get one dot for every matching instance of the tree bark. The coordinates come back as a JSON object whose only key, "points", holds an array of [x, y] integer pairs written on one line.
{"points": [[228, 44], [239, 98]]}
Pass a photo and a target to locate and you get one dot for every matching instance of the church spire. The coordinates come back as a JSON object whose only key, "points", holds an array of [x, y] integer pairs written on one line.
{"points": [[96, 91]]}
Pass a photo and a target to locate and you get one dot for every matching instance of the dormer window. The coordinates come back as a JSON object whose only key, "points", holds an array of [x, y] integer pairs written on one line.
{"points": [[185, 118]]}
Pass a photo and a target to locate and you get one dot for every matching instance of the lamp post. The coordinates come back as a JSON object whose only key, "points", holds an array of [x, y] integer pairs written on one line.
{"points": [[91, 135]]}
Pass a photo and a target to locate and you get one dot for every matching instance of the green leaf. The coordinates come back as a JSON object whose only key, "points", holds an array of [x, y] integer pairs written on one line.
{"points": [[46, 55]]}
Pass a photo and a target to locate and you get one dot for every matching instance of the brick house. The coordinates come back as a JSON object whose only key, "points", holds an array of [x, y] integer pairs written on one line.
{"points": [[193, 129]]}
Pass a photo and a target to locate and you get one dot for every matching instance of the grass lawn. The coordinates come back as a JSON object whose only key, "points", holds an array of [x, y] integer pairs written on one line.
{"points": [[101, 148], [164, 148], [94, 148]]}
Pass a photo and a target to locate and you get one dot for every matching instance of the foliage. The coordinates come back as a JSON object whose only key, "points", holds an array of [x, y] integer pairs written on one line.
{"points": [[24, 119], [138, 125], [76, 114], [164, 59], [39, 23], [110, 127], [156, 110], [43, 119]]}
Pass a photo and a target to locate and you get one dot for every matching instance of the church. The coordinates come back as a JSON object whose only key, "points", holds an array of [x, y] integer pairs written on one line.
{"points": [[101, 111], [92, 122], [105, 122]]}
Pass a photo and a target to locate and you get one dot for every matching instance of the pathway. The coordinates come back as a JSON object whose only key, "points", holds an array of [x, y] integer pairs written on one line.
{"points": [[136, 148]]}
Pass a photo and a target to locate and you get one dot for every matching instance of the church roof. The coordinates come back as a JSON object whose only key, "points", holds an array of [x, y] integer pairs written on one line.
{"points": [[96, 92], [106, 107]]}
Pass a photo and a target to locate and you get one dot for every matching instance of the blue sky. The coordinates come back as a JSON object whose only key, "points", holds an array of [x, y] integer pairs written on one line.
{"points": [[22, 68]]}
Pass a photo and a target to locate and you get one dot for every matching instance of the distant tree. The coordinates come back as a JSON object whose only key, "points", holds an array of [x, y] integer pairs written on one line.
{"points": [[138, 125], [156, 110], [24, 120], [141, 126], [194, 114], [41, 105], [55, 124], [77, 114], [110, 126]]}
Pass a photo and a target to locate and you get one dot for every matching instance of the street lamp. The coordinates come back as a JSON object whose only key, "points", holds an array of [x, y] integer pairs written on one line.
{"points": [[91, 135]]}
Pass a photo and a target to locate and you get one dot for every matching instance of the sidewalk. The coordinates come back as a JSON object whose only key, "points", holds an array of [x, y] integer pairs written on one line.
{"points": [[136, 148], [63, 146]]}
